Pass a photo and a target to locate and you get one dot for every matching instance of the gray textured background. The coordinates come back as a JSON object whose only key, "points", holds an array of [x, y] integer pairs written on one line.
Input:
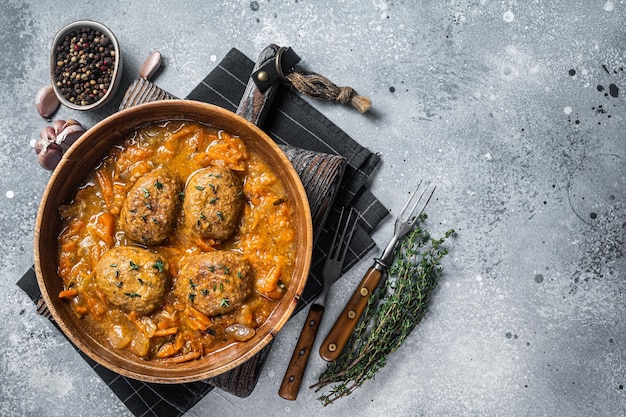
{"points": [[497, 101]]}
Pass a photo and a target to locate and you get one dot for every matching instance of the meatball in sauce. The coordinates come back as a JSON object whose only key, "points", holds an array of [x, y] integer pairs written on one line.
{"points": [[132, 278], [149, 211], [213, 203], [215, 282]]}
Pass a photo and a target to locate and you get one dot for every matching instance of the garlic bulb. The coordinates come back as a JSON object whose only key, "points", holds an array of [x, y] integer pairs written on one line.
{"points": [[54, 140]]}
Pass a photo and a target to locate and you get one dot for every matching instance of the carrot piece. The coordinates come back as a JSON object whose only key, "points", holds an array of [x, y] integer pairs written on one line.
{"points": [[166, 332], [132, 316], [105, 228], [172, 143], [81, 310], [106, 186], [119, 195], [96, 306], [205, 245], [166, 350], [136, 153], [197, 320], [185, 357], [69, 294], [267, 284]]}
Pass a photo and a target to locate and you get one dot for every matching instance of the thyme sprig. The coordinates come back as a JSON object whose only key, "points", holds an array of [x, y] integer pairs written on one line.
{"points": [[392, 313]]}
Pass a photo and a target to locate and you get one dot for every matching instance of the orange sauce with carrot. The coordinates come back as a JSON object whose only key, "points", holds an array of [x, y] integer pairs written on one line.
{"points": [[176, 332]]}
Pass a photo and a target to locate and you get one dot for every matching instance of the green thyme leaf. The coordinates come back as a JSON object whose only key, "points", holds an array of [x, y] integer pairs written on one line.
{"points": [[158, 265], [132, 294]]}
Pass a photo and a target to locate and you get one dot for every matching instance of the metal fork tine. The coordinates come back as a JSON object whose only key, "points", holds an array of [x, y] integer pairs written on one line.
{"points": [[403, 211], [409, 216], [338, 247], [351, 223], [416, 216]]}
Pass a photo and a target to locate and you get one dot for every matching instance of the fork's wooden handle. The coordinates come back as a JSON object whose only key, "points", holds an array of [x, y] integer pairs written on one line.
{"points": [[346, 322], [295, 371]]}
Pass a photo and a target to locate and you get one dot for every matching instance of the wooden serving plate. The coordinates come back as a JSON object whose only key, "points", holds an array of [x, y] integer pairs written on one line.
{"points": [[82, 158]]}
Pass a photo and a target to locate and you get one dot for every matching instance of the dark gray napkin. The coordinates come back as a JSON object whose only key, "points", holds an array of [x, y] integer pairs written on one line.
{"points": [[293, 121]]}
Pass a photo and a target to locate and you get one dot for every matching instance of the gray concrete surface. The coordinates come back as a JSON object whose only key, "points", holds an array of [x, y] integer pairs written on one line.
{"points": [[498, 102]]}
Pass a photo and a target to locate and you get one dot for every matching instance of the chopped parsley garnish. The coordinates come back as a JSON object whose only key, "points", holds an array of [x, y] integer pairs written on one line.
{"points": [[146, 193], [119, 284], [158, 185], [220, 215], [213, 200], [192, 296], [133, 266], [191, 284], [204, 292], [199, 188], [225, 302], [158, 265], [132, 294]]}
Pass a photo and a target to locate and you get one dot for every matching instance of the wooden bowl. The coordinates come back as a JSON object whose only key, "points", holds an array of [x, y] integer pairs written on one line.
{"points": [[81, 159]]}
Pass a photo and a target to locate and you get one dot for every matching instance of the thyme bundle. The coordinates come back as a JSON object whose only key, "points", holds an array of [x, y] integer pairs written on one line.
{"points": [[392, 313]]}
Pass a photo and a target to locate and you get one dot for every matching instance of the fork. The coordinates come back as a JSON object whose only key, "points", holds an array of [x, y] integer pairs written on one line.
{"points": [[330, 272], [339, 334]]}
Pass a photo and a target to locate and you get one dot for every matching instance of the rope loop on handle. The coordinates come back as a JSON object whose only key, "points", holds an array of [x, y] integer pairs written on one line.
{"points": [[319, 87]]}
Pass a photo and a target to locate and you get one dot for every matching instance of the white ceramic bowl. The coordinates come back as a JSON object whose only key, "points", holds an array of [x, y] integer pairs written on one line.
{"points": [[116, 63]]}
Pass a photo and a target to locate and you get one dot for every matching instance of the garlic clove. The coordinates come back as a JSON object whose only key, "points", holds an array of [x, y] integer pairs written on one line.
{"points": [[41, 144], [58, 126], [68, 135], [150, 66], [48, 133], [46, 101], [70, 122], [50, 157]]}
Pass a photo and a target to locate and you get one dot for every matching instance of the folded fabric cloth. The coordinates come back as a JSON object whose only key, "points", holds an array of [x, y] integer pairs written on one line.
{"points": [[296, 123], [292, 122]]}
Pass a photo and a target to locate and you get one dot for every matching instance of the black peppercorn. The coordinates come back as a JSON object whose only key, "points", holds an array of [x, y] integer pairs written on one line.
{"points": [[85, 62]]}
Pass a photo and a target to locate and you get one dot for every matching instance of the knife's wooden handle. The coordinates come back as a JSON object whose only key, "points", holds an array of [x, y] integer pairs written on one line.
{"points": [[295, 371], [346, 322], [254, 105]]}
